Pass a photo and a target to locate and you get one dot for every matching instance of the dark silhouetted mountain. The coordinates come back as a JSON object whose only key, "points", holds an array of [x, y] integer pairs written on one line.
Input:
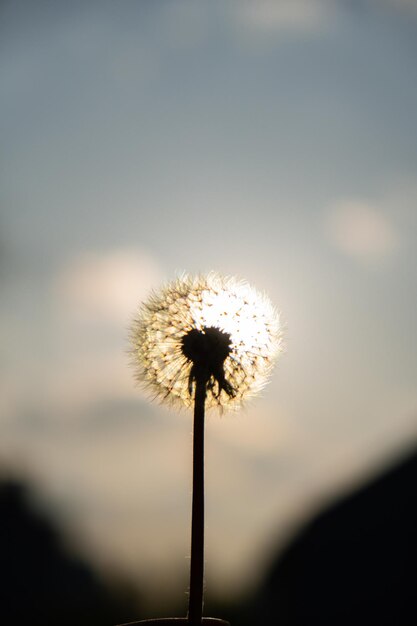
{"points": [[41, 583], [353, 565]]}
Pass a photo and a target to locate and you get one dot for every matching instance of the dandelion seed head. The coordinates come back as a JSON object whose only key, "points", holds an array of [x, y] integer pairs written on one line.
{"points": [[210, 327]]}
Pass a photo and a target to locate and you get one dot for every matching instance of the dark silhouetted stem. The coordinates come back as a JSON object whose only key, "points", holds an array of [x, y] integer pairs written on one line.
{"points": [[195, 607]]}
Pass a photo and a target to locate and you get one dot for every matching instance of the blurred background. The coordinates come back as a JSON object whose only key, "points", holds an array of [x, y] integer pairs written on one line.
{"points": [[271, 140]]}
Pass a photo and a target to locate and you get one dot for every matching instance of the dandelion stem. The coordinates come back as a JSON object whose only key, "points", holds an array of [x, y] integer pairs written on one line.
{"points": [[195, 607]]}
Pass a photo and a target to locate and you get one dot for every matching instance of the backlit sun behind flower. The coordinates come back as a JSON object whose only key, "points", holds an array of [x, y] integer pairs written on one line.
{"points": [[212, 326]]}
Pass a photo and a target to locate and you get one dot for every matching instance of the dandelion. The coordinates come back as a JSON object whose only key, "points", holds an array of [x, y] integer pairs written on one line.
{"points": [[205, 341], [206, 326]]}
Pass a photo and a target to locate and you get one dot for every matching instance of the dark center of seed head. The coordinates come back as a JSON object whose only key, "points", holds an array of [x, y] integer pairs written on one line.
{"points": [[206, 348]]}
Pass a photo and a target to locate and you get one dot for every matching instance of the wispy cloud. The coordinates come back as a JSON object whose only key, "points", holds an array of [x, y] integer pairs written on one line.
{"points": [[302, 16], [106, 285], [361, 231]]}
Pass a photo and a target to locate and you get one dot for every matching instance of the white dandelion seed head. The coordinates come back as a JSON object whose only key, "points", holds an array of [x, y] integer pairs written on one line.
{"points": [[211, 323]]}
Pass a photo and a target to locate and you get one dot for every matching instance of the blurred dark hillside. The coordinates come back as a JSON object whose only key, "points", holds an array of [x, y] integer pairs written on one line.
{"points": [[354, 564], [41, 582]]}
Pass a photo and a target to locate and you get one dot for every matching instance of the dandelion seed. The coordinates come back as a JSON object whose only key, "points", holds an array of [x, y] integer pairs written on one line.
{"points": [[206, 325]]}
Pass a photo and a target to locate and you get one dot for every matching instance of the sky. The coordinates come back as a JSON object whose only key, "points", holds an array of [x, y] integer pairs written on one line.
{"points": [[272, 141]]}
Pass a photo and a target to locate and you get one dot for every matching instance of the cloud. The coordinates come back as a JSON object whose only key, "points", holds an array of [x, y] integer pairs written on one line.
{"points": [[106, 285], [94, 296], [75, 350], [361, 231], [270, 16]]}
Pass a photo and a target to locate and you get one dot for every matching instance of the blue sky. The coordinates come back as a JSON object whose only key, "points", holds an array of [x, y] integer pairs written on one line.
{"points": [[275, 141]]}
